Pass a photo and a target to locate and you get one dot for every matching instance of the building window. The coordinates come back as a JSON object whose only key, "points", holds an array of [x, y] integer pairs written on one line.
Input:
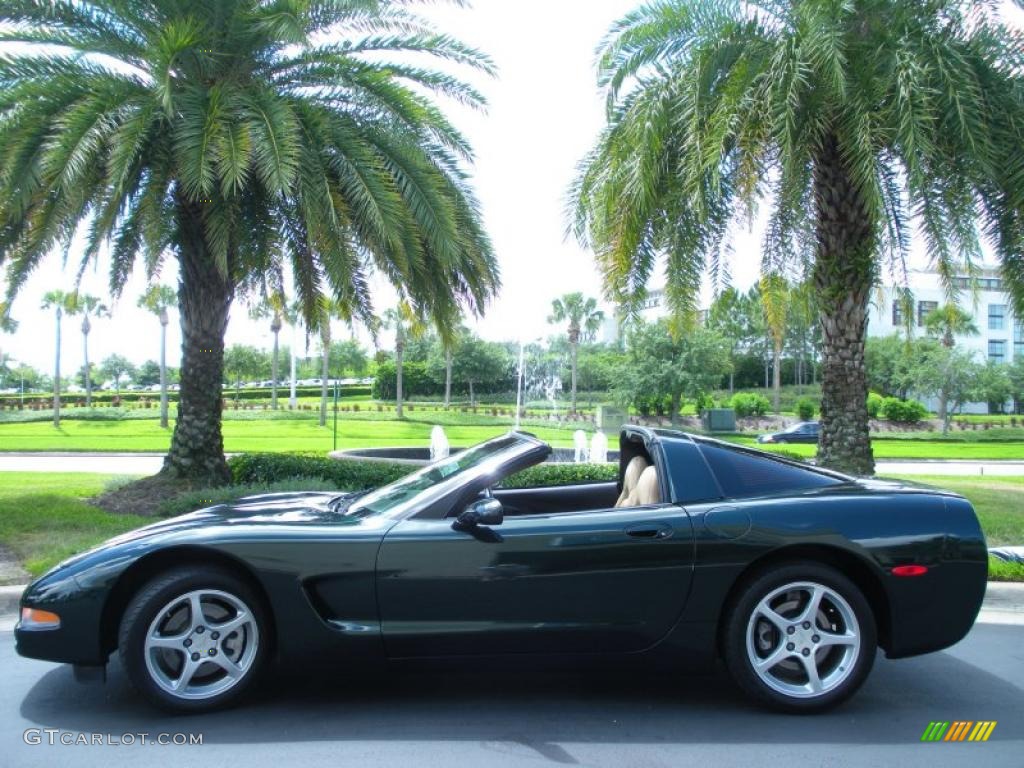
{"points": [[897, 313], [997, 351], [983, 283], [1018, 340], [996, 317], [925, 308]]}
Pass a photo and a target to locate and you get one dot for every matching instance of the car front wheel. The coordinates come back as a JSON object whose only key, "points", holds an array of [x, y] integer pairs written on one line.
{"points": [[193, 639], [801, 638]]}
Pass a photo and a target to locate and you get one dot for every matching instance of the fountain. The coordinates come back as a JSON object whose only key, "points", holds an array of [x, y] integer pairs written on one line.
{"points": [[579, 441], [599, 448], [438, 443]]}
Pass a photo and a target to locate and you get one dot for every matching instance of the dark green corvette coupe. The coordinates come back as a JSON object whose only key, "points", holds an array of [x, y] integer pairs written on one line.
{"points": [[702, 550]]}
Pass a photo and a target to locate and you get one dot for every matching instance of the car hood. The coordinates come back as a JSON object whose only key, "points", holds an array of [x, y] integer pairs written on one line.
{"points": [[270, 510]]}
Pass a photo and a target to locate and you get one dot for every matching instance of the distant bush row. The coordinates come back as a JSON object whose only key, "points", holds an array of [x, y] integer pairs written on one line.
{"points": [[894, 409], [352, 475]]}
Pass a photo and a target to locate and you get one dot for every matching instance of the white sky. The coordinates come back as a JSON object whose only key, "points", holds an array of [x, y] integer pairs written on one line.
{"points": [[545, 112]]}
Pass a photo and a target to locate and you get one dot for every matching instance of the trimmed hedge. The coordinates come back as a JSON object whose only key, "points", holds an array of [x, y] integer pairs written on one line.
{"points": [[353, 475], [749, 404], [903, 411], [805, 408], [106, 398]]}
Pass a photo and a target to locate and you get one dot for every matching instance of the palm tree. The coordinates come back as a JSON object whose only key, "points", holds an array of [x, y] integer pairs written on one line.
{"points": [[273, 306], [158, 299], [247, 140], [88, 307], [584, 320], [58, 301], [775, 299], [402, 320], [847, 119], [946, 323]]}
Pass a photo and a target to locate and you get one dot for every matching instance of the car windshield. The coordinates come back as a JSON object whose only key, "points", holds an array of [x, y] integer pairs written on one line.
{"points": [[394, 497]]}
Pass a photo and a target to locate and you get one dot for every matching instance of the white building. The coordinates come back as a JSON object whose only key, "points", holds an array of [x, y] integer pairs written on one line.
{"points": [[1000, 335]]}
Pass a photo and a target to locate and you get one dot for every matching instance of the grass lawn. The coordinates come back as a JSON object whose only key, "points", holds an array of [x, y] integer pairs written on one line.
{"points": [[279, 435], [44, 517], [904, 448], [284, 431]]}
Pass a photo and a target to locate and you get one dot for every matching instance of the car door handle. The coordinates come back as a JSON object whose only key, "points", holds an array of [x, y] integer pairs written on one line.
{"points": [[650, 531]]}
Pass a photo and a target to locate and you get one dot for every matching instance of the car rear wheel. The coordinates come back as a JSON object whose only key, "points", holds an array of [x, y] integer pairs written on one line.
{"points": [[800, 637], [193, 639]]}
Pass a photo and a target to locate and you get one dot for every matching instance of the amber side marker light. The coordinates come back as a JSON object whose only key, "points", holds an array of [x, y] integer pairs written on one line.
{"points": [[34, 618], [910, 570]]}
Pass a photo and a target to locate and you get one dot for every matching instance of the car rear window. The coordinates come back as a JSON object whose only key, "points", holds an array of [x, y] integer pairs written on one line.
{"points": [[740, 473]]}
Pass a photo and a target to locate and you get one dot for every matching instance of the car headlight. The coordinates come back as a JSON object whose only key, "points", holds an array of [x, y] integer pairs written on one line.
{"points": [[36, 618]]}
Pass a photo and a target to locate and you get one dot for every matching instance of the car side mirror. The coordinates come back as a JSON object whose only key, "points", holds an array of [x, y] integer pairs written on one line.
{"points": [[482, 512]]}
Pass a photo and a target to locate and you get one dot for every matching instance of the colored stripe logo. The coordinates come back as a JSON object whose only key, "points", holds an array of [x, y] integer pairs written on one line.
{"points": [[959, 730]]}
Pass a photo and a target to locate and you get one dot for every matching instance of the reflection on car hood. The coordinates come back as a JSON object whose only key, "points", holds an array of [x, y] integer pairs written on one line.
{"points": [[270, 509]]}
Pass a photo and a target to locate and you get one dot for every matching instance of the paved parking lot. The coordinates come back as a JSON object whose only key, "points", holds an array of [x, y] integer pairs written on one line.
{"points": [[486, 715]]}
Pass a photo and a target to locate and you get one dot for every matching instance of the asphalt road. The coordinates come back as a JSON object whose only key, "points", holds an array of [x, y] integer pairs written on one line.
{"points": [[485, 715]]}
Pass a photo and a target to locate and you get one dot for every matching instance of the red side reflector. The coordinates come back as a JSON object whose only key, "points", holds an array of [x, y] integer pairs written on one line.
{"points": [[910, 570]]}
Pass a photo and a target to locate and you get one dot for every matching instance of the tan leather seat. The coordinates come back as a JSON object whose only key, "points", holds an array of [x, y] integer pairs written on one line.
{"points": [[634, 470], [647, 491]]}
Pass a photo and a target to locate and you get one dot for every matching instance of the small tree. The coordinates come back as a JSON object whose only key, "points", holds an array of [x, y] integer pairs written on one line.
{"points": [[479, 362], [949, 374], [242, 362], [117, 368], [661, 365], [994, 386]]}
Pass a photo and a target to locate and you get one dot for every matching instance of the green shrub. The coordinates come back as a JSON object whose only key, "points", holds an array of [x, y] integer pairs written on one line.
{"points": [[265, 469], [875, 402], [805, 409], [749, 404], [193, 500], [903, 411], [561, 474], [346, 474]]}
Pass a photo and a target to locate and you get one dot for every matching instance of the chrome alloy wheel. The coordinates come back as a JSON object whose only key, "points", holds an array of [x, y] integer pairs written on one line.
{"points": [[201, 644], [803, 640]]}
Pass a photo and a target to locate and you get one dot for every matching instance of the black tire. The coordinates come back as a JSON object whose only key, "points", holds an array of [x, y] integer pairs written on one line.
{"points": [[850, 674], [153, 597]]}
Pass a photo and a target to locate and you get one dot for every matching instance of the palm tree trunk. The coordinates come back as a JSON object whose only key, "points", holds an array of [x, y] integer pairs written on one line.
{"points": [[777, 376], [163, 369], [472, 397], [274, 372], [204, 300], [292, 398], [575, 358], [843, 272], [447, 378], [399, 353], [56, 376], [325, 370], [85, 354]]}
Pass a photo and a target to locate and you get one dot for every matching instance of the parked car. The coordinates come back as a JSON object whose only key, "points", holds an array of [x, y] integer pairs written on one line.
{"points": [[804, 432], [791, 574]]}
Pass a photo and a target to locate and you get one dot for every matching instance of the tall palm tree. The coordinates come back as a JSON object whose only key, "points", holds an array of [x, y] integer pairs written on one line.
{"points": [[848, 118], [273, 307], [88, 307], [403, 321], [775, 298], [584, 320], [58, 301], [946, 323], [240, 137], [158, 299]]}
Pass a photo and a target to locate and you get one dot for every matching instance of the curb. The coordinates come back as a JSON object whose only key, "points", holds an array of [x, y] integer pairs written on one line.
{"points": [[1001, 596], [10, 597]]}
